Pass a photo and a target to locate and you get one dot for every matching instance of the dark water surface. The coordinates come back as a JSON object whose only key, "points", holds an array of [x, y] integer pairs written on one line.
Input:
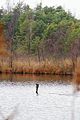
{"points": [[56, 100]]}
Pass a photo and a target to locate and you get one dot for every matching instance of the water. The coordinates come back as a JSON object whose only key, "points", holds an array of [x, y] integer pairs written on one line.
{"points": [[56, 100]]}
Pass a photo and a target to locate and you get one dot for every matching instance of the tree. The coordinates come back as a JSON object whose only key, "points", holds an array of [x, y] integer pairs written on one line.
{"points": [[3, 45]]}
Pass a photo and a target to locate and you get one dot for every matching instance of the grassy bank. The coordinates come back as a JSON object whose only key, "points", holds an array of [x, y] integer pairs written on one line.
{"points": [[32, 66]]}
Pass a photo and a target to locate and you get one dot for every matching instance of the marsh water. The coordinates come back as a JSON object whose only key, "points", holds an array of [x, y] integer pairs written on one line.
{"points": [[55, 101]]}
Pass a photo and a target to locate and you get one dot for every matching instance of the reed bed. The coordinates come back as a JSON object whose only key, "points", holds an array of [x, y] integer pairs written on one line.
{"points": [[76, 75], [32, 66]]}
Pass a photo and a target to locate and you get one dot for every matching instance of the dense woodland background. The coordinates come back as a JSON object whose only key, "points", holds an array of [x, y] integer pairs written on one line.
{"points": [[47, 32]]}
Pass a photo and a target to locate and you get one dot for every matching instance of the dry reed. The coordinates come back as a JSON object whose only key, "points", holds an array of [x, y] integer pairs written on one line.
{"points": [[76, 76], [35, 67]]}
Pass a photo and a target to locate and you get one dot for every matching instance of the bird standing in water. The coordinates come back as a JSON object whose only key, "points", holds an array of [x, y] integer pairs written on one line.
{"points": [[37, 86]]}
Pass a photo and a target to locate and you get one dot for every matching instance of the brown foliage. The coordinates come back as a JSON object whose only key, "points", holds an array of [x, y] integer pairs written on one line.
{"points": [[24, 66], [76, 75]]}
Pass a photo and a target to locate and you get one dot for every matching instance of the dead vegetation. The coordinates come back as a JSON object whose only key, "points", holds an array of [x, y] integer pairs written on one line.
{"points": [[76, 75], [23, 66]]}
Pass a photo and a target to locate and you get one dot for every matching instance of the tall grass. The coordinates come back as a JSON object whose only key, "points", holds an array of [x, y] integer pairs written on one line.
{"points": [[76, 75], [33, 66]]}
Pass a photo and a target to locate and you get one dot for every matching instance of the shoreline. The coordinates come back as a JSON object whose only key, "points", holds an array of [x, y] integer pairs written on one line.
{"points": [[22, 73]]}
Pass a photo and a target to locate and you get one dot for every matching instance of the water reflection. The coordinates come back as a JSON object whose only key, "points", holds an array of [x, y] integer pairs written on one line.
{"points": [[56, 99], [40, 78], [12, 114]]}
